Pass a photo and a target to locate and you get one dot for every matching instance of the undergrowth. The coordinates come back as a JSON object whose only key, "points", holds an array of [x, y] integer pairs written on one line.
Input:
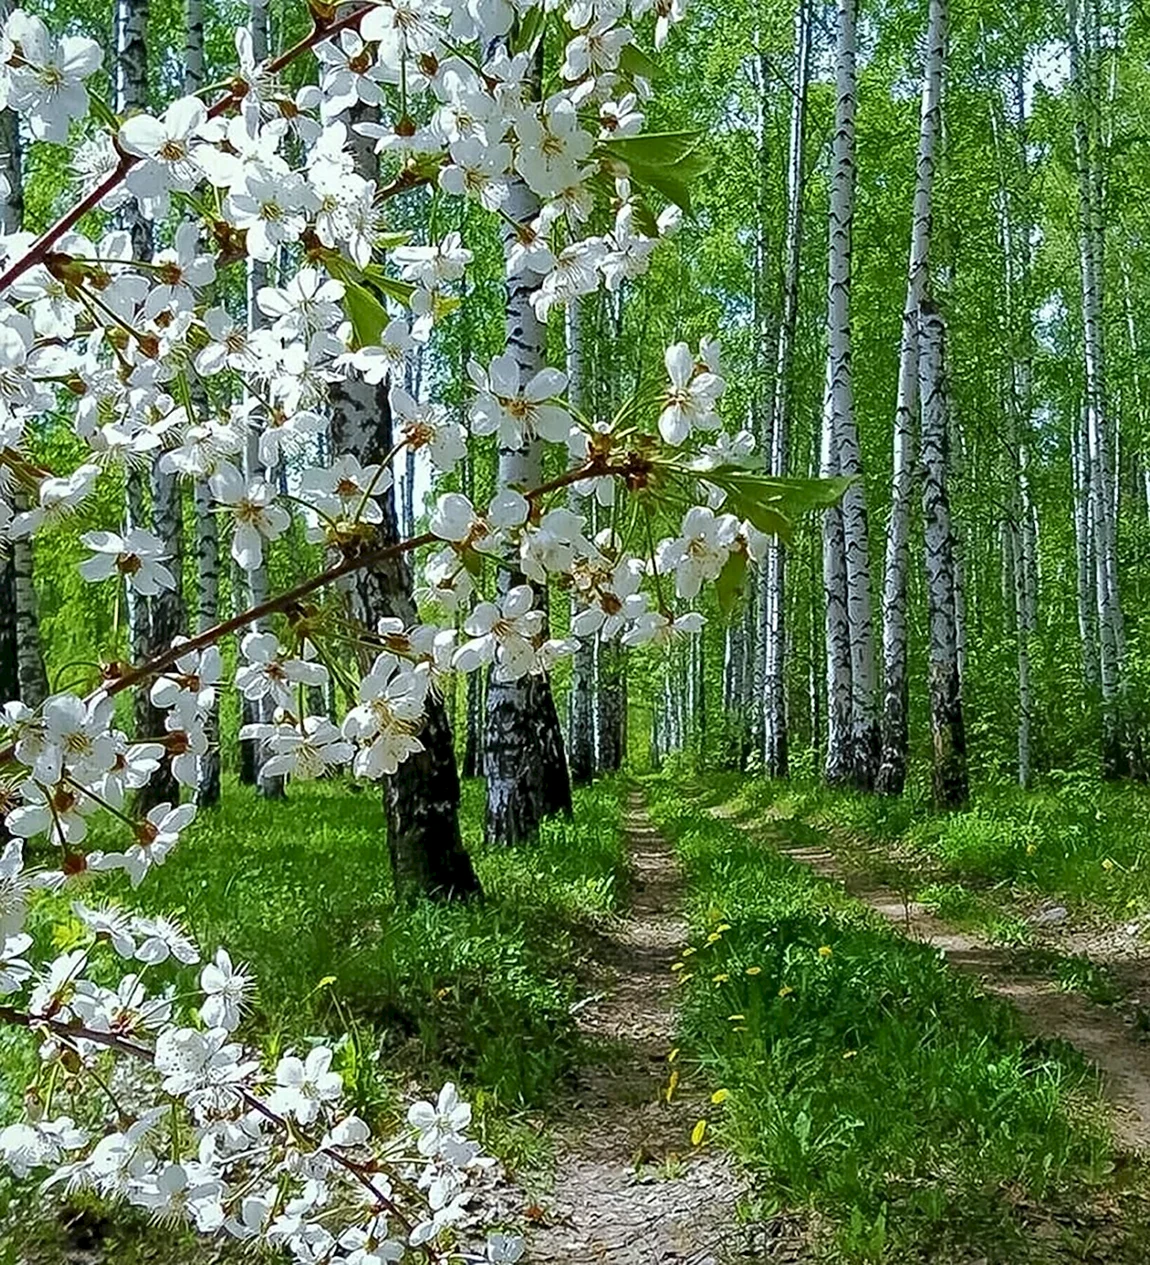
{"points": [[418, 992], [862, 1079]]}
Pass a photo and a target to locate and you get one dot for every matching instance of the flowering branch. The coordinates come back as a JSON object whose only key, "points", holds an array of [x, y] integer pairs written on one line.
{"points": [[41, 249]]}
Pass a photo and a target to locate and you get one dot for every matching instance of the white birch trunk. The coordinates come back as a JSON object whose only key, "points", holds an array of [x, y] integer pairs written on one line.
{"points": [[839, 762], [1088, 161], [581, 735], [774, 626], [947, 730], [527, 777], [206, 524], [892, 771], [22, 672]]}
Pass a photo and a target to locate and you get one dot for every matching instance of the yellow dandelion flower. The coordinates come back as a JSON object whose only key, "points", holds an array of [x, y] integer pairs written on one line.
{"points": [[721, 978], [786, 990], [720, 1096], [825, 951], [672, 1085], [698, 1133], [736, 1018], [754, 970]]}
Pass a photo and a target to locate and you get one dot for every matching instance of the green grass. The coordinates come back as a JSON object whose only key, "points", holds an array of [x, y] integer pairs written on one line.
{"points": [[987, 868], [866, 1081], [419, 991]]}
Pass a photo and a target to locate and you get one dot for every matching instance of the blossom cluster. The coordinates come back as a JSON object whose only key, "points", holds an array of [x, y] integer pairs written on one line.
{"points": [[150, 368]]}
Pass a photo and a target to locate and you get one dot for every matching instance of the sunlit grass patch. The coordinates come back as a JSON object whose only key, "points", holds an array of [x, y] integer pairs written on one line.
{"points": [[864, 1078]]}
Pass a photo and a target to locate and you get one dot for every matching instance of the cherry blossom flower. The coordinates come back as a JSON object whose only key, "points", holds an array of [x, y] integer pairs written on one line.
{"points": [[304, 1085], [690, 403], [518, 412], [226, 990], [389, 715], [503, 634], [138, 557], [268, 674], [48, 88], [257, 517], [699, 554], [156, 836], [305, 752]]}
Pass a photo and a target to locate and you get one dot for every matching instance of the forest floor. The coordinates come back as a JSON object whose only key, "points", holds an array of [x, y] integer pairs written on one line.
{"points": [[630, 1187], [1109, 1036]]}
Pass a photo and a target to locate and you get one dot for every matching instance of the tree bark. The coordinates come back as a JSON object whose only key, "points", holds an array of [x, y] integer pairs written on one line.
{"points": [[421, 799], [895, 735], [774, 670], [581, 744], [951, 788], [11, 218], [1099, 437], [526, 765], [837, 411]]}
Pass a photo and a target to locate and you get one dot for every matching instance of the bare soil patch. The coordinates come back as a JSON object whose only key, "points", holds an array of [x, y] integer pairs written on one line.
{"points": [[1102, 1035], [629, 1187]]}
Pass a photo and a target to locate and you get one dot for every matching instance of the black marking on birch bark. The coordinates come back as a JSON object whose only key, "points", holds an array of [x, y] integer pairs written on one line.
{"points": [[950, 782], [421, 799]]}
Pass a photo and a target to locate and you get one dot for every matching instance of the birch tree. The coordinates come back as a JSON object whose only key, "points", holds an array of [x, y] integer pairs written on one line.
{"points": [[421, 798], [782, 405], [254, 583], [948, 734], [1099, 438], [525, 760], [206, 524], [892, 770], [837, 410], [581, 747]]}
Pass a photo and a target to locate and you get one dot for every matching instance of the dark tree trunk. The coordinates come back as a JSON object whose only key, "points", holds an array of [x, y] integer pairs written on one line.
{"points": [[9, 666], [524, 758], [473, 728], [421, 799]]}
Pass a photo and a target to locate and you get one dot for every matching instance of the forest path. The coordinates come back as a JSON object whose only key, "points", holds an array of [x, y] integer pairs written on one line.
{"points": [[629, 1186], [1046, 1010]]}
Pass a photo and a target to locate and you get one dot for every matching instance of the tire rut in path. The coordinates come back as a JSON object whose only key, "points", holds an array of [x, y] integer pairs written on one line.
{"points": [[1045, 1010], [629, 1187]]}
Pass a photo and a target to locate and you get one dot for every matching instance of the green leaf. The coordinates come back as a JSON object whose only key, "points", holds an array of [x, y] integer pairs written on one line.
{"points": [[634, 62], [772, 504], [367, 314], [528, 30], [666, 161], [730, 582]]}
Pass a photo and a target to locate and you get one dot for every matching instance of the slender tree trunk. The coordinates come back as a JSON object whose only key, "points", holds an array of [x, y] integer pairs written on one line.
{"points": [[775, 703], [761, 407], [131, 80], [527, 777], [254, 755], [11, 218], [206, 524], [581, 746], [1084, 554], [950, 776], [895, 734], [421, 799], [1088, 161], [838, 412]]}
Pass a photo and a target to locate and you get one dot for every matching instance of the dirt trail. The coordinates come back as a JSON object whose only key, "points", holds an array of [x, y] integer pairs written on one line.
{"points": [[1046, 1010], [630, 1188]]}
